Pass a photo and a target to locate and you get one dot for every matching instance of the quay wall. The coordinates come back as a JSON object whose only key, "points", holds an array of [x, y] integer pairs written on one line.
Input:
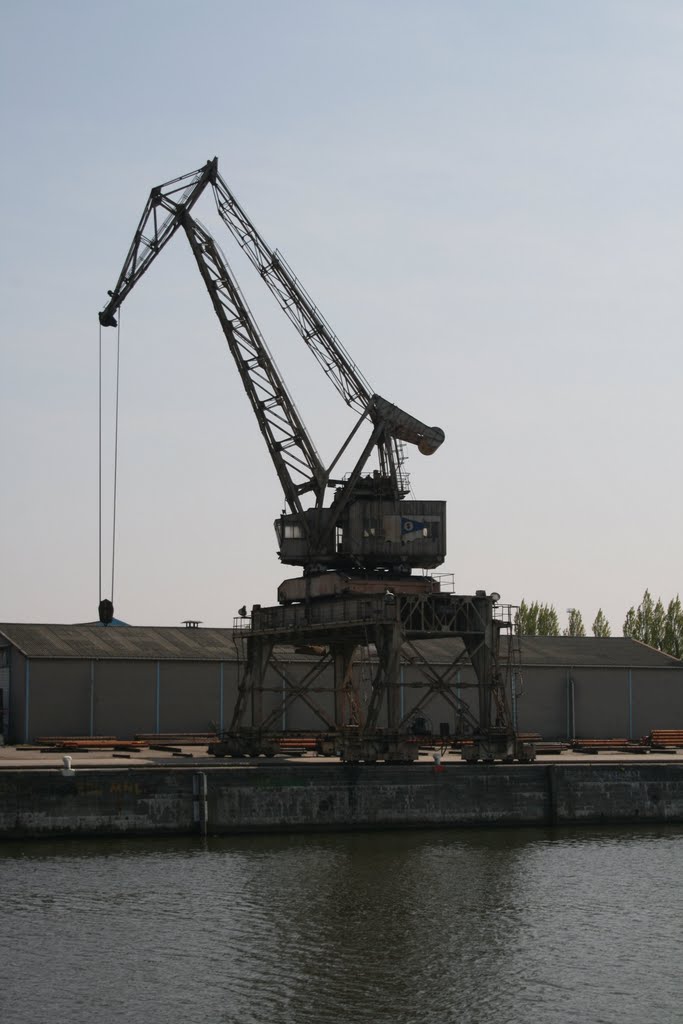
{"points": [[215, 801]]}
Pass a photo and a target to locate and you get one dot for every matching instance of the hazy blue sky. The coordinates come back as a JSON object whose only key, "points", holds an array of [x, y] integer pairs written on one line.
{"points": [[485, 200]]}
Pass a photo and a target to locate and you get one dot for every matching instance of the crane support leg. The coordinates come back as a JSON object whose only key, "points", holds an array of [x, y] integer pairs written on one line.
{"points": [[347, 705]]}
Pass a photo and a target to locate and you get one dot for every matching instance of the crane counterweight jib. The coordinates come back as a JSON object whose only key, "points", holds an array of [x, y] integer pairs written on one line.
{"points": [[405, 427]]}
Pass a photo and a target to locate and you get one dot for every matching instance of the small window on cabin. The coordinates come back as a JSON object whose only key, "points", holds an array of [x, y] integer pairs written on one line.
{"points": [[293, 531], [370, 527]]}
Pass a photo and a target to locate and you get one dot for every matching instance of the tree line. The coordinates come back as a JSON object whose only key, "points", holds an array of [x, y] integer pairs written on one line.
{"points": [[651, 622]]}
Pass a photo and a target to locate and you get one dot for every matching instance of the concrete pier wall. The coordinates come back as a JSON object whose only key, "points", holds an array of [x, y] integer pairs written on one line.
{"points": [[166, 801]]}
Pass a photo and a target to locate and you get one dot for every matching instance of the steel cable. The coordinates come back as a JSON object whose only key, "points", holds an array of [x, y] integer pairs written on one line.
{"points": [[116, 454], [100, 463]]}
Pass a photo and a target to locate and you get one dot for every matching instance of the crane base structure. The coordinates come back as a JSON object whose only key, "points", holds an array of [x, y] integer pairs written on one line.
{"points": [[338, 631]]}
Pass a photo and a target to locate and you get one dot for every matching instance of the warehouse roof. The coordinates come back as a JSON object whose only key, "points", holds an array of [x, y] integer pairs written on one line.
{"points": [[136, 642], [131, 643], [604, 652], [177, 643], [565, 652]]}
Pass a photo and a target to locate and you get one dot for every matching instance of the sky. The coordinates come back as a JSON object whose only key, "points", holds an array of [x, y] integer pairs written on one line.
{"points": [[485, 201]]}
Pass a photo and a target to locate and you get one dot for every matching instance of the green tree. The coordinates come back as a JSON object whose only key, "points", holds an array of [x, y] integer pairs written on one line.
{"points": [[600, 625], [630, 626], [640, 622], [644, 614], [575, 626], [672, 634], [657, 626], [548, 621], [526, 620], [537, 619]]}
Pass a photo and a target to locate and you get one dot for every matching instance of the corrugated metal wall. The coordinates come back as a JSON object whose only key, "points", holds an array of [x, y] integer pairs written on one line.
{"points": [[120, 698]]}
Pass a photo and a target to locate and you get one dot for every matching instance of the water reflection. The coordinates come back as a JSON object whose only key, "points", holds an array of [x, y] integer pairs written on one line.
{"points": [[468, 926]]}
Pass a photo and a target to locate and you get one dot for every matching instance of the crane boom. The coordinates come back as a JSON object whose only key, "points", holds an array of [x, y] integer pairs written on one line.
{"points": [[368, 527]]}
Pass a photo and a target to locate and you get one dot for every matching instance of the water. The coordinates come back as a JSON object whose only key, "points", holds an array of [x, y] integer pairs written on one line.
{"points": [[473, 927]]}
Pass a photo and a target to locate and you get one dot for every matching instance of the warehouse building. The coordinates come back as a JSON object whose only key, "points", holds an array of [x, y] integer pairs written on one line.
{"points": [[86, 680]]}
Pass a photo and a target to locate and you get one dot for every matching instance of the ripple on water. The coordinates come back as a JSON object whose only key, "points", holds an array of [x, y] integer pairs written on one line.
{"points": [[394, 928]]}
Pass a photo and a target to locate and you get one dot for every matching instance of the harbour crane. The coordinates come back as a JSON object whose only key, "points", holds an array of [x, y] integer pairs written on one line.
{"points": [[358, 549], [369, 530]]}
